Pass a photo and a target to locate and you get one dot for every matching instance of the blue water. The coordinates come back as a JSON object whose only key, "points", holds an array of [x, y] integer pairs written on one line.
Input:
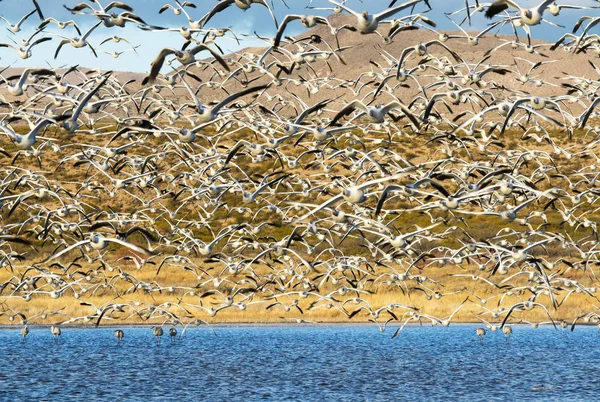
{"points": [[343, 363]]}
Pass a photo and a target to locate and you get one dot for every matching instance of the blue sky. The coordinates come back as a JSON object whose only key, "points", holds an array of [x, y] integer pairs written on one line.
{"points": [[242, 22]]}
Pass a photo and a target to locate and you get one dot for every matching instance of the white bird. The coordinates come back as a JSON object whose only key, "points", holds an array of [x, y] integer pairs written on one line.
{"points": [[17, 89], [56, 332], [480, 332], [185, 57], [25, 52], [26, 141], [17, 27], [176, 10], [241, 4], [528, 16], [78, 41], [368, 23], [60, 24], [308, 21], [99, 242]]}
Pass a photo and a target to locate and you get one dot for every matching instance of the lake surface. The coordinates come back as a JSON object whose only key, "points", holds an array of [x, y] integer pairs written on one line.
{"points": [[313, 363]]}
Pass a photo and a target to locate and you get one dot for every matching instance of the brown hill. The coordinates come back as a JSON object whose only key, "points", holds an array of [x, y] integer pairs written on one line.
{"points": [[359, 54]]}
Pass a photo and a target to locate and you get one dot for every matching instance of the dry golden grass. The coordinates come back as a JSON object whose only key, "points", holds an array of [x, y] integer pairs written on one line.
{"points": [[416, 150], [256, 311], [480, 227]]}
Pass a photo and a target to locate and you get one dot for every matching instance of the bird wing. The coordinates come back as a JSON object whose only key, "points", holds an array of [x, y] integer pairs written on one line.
{"points": [[165, 8], [105, 40], [60, 45], [89, 31], [217, 56], [38, 9], [267, 184], [391, 11], [66, 250], [343, 7], [384, 195], [404, 109], [432, 101], [539, 243], [25, 17], [2, 44], [288, 18], [89, 96], [264, 3], [588, 112], [157, 65], [327, 203], [79, 7], [498, 6], [220, 6], [37, 42], [234, 150], [349, 108], [545, 3], [313, 109], [234, 96], [118, 4], [131, 246], [518, 305]]}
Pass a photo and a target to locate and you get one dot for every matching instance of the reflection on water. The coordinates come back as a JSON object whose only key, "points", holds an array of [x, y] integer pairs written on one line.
{"points": [[345, 363]]}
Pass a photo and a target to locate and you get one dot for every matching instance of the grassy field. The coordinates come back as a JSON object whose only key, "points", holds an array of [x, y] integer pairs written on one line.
{"points": [[431, 288], [438, 300]]}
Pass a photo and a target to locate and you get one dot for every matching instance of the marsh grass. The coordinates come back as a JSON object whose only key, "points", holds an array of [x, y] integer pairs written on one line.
{"points": [[382, 295], [480, 227]]}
